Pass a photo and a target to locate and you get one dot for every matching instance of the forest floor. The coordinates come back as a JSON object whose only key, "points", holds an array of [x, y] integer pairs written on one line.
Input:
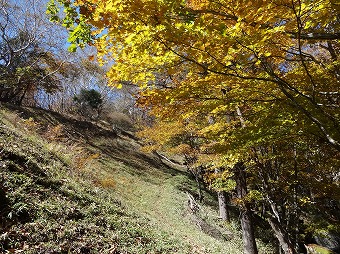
{"points": [[70, 186]]}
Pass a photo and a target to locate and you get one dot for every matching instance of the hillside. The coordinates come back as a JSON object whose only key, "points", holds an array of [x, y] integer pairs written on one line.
{"points": [[70, 186]]}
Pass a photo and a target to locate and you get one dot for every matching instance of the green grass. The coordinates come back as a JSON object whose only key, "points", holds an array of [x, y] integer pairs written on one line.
{"points": [[91, 191]]}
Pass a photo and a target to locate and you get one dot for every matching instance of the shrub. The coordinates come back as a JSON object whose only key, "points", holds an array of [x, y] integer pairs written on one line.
{"points": [[89, 103]]}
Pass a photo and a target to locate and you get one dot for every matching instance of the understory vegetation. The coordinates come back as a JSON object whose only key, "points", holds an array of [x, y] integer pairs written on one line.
{"points": [[74, 187]]}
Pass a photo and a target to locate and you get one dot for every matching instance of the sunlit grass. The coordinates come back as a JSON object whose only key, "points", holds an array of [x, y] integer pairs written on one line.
{"points": [[99, 196]]}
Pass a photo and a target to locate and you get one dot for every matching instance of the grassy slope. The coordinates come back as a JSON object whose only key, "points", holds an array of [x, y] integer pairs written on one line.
{"points": [[74, 187]]}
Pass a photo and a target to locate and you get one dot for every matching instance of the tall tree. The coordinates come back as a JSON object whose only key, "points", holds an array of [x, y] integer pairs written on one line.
{"points": [[28, 59]]}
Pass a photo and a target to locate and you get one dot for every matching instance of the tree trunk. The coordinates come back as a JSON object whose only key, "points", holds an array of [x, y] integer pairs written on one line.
{"points": [[223, 205], [281, 235], [23, 96], [248, 234], [199, 187], [222, 202]]}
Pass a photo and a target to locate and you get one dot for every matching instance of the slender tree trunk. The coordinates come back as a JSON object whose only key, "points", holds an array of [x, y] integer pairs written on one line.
{"points": [[281, 235], [196, 172], [22, 96], [199, 187], [223, 205], [222, 202], [248, 233]]}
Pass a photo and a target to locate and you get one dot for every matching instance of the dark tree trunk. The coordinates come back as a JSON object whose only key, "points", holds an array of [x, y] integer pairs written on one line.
{"points": [[199, 187], [22, 96], [223, 205], [281, 235], [197, 173], [248, 233], [3, 198]]}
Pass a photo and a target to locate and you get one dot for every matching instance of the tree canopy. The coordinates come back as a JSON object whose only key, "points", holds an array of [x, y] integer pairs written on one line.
{"points": [[259, 52], [28, 55]]}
